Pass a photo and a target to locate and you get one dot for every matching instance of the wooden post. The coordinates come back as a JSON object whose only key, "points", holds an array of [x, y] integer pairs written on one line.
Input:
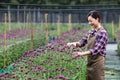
{"points": [[38, 14], [5, 19], [113, 33], [34, 17], [18, 17], [119, 22], [79, 18], [31, 36], [24, 23], [9, 18], [46, 19], [27, 21], [58, 28], [69, 27]]}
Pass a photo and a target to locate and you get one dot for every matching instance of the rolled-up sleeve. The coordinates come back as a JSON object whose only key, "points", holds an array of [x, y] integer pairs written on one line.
{"points": [[100, 44], [83, 41]]}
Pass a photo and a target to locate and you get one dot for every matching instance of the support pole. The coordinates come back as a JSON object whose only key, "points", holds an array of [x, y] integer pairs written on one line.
{"points": [[5, 20], [69, 23], [58, 29], [46, 19]]}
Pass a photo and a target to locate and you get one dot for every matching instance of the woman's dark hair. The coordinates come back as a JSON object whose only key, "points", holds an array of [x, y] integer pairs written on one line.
{"points": [[94, 14]]}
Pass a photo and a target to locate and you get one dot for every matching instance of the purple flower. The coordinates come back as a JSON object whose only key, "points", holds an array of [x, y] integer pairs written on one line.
{"points": [[21, 70], [26, 72], [51, 77], [78, 67], [44, 70], [60, 76], [35, 79], [62, 69], [29, 79], [49, 57], [71, 72]]}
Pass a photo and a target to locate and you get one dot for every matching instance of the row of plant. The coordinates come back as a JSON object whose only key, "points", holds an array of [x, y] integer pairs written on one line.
{"points": [[110, 27], [52, 61], [18, 41], [118, 42], [19, 38]]}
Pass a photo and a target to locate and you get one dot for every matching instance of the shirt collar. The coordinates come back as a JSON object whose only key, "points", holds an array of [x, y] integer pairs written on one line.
{"points": [[97, 29]]}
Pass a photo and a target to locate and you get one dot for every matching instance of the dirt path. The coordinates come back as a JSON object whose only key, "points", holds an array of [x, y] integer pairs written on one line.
{"points": [[112, 63]]}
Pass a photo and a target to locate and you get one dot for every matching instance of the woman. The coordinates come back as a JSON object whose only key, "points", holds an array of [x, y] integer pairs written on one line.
{"points": [[96, 40]]}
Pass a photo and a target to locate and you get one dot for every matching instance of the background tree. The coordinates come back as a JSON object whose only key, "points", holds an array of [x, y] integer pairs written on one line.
{"points": [[63, 2]]}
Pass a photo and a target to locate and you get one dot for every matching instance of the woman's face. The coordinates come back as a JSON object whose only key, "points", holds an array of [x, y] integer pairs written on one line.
{"points": [[93, 22]]}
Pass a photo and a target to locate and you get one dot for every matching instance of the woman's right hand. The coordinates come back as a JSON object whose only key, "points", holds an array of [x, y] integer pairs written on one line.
{"points": [[77, 54], [71, 44]]}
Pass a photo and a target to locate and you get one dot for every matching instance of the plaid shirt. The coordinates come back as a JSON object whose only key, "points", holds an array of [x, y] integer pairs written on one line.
{"points": [[101, 41]]}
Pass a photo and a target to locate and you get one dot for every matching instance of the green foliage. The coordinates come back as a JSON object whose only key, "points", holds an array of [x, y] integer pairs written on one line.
{"points": [[16, 50], [50, 63], [7, 69], [39, 41], [108, 27]]}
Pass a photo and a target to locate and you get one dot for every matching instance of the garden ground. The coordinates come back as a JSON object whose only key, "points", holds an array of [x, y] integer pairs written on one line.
{"points": [[112, 63]]}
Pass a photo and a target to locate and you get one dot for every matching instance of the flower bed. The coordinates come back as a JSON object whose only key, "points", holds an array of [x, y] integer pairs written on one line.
{"points": [[17, 44], [52, 61]]}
